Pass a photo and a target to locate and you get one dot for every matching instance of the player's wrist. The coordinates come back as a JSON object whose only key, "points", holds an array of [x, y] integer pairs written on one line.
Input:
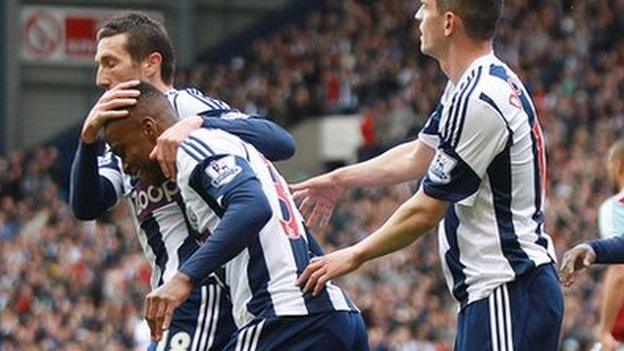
{"points": [[183, 278], [88, 138]]}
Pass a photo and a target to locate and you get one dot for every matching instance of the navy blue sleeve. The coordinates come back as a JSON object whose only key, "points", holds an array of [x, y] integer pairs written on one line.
{"points": [[245, 211], [90, 194], [609, 250], [449, 178], [273, 141]]}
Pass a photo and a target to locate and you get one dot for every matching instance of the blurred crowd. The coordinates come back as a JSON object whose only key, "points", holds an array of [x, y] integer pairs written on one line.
{"points": [[74, 286]]}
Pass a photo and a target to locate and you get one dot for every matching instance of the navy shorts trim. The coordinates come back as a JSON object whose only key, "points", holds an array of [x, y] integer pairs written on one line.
{"points": [[335, 331], [525, 314]]}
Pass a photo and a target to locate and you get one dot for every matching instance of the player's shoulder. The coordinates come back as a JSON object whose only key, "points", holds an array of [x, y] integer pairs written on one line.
{"points": [[206, 143], [191, 101]]}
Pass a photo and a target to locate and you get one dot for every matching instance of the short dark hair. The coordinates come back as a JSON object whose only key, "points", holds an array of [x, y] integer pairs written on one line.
{"points": [[480, 17], [145, 36], [151, 102]]}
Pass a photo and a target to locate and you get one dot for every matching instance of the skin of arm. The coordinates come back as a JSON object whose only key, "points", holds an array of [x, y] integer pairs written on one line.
{"points": [[409, 223], [403, 163]]}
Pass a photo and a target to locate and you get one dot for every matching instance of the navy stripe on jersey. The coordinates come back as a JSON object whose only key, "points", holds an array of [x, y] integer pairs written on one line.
{"points": [[154, 240], [452, 257], [202, 144], [198, 149], [190, 242], [458, 131], [538, 216], [258, 279], [446, 131], [458, 100], [499, 173], [189, 151]]}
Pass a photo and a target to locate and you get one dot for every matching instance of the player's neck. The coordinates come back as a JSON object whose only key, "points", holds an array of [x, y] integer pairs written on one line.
{"points": [[161, 86], [461, 56]]}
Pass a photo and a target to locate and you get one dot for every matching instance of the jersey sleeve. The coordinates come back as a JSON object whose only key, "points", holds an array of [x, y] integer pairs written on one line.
{"points": [[110, 167], [468, 145], [429, 133]]}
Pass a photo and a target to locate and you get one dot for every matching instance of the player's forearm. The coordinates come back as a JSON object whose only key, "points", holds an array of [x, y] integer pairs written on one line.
{"points": [[609, 250], [90, 194], [402, 163], [247, 212], [613, 297], [273, 141], [410, 222]]}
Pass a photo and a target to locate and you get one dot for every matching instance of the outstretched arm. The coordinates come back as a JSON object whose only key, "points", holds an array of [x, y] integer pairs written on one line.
{"points": [[319, 195]]}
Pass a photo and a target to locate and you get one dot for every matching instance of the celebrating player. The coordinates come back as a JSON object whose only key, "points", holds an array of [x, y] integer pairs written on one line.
{"points": [[238, 198], [486, 179], [134, 46]]}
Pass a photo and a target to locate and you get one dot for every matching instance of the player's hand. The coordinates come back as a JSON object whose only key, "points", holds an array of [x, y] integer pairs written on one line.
{"points": [[168, 142], [161, 303], [324, 268], [109, 106], [317, 197], [580, 257]]}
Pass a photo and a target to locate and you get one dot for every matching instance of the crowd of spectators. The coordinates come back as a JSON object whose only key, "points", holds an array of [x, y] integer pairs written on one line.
{"points": [[74, 286]]}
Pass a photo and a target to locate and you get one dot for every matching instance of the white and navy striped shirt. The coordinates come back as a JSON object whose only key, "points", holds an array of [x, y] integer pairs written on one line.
{"points": [[262, 277], [490, 166]]}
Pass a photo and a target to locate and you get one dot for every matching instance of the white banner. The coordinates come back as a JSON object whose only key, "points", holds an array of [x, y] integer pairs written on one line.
{"points": [[63, 35]]}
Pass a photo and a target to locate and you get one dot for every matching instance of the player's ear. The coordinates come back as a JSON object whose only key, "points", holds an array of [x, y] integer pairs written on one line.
{"points": [[150, 128], [151, 65], [451, 21]]}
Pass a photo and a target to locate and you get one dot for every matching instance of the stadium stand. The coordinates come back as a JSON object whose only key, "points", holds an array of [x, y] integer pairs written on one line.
{"points": [[64, 285]]}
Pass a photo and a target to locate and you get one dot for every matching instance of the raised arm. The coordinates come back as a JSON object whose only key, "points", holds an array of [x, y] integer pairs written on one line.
{"points": [[90, 194]]}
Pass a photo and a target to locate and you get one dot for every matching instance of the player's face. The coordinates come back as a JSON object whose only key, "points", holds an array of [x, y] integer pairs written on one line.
{"points": [[431, 27], [115, 65], [133, 145]]}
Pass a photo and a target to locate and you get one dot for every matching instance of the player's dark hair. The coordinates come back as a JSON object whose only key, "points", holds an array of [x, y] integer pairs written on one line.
{"points": [[145, 36], [480, 17], [152, 103]]}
